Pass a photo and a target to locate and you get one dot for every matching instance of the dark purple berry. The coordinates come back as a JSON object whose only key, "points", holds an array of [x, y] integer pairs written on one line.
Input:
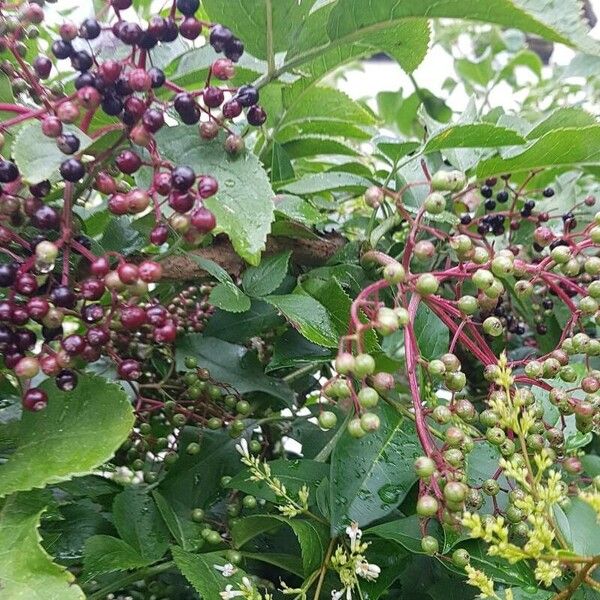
{"points": [[188, 7], [72, 170], [63, 297], [157, 76], [247, 96], [66, 380], [183, 178], [8, 171], [45, 217], [62, 49], [234, 50], [219, 37], [90, 29], [42, 66], [68, 143], [256, 116]]}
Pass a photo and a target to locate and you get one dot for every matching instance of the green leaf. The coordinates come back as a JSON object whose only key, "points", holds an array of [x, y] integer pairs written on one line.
{"points": [[293, 351], [431, 334], [229, 297], [312, 537], [200, 571], [407, 532], [62, 441], [327, 182], [560, 147], [397, 150], [265, 26], [234, 328], [106, 554], [480, 72], [371, 476], [297, 209], [566, 116], [281, 165], [185, 531], [244, 204], [475, 135], [120, 236], [268, 276], [308, 316], [37, 155], [317, 145], [292, 473], [582, 521], [288, 562], [232, 365], [556, 20], [139, 523], [26, 571]]}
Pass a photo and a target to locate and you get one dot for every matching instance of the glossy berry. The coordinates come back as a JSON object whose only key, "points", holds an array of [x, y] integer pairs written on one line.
{"points": [[190, 28], [68, 143], [219, 37], [62, 49], [256, 116], [502, 196], [234, 49], [42, 66], [548, 192], [207, 186], [63, 297], [188, 7], [35, 399], [232, 109], [183, 178], [133, 317], [203, 220], [72, 170], [247, 95], [90, 29], [81, 61], [129, 370], [66, 380], [157, 77], [153, 120], [8, 171], [128, 162], [213, 97]]}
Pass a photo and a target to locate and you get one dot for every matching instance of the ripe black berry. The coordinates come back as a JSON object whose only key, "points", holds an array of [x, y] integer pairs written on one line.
{"points": [[171, 31], [256, 116], [153, 120], [247, 95], [188, 7], [41, 189], [63, 297], [62, 49], [529, 205], [490, 204], [8, 274], [548, 192], [8, 171], [81, 61], [213, 97], [72, 170], [68, 143], [183, 178], [157, 76], [234, 50], [147, 40], [35, 399], [66, 380], [465, 219], [219, 37], [112, 105], [45, 217], [486, 191], [130, 33], [502, 196], [90, 29], [42, 66]]}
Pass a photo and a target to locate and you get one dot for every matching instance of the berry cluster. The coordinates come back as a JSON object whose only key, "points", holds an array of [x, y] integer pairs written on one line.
{"points": [[56, 323], [479, 292]]}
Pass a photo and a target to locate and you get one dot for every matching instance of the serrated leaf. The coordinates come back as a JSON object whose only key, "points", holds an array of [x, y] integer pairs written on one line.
{"points": [[139, 523], [327, 182], [268, 276], [185, 531], [200, 571], [229, 297], [231, 364], [431, 334], [559, 147], [37, 155], [26, 571], [372, 475], [281, 165], [312, 537], [62, 441], [107, 554], [316, 145], [475, 135], [297, 209], [566, 116], [407, 532], [244, 204], [308, 316]]}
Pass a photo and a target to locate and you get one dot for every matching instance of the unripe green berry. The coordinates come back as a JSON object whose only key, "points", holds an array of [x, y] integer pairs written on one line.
{"points": [[355, 428], [467, 305], [460, 558], [424, 466], [344, 363], [327, 419], [394, 273], [435, 203], [493, 326], [386, 321], [430, 545], [490, 487], [427, 506], [427, 284], [364, 364], [483, 279], [370, 422], [197, 515], [455, 491], [368, 397]]}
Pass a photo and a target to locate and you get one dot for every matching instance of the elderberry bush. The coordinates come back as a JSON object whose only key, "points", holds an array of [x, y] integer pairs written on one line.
{"points": [[261, 340]]}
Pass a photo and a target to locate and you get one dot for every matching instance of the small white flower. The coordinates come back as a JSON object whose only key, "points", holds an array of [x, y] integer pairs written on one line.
{"points": [[367, 571], [227, 570], [230, 593], [336, 595], [242, 448], [354, 533]]}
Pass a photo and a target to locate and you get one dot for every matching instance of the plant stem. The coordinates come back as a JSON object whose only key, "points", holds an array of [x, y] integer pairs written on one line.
{"points": [[324, 570], [130, 578]]}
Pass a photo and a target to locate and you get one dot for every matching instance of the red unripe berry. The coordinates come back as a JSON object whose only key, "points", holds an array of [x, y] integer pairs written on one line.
{"points": [[232, 109], [128, 273], [92, 288], [20, 315], [150, 271], [90, 354], [35, 399], [26, 284], [118, 204], [52, 127], [139, 80], [110, 70], [34, 13], [89, 97], [96, 336], [203, 220], [162, 183], [209, 130], [105, 183], [129, 370], [165, 334], [223, 69], [153, 120], [207, 186], [181, 203], [27, 368], [135, 107], [138, 201], [100, 267], [133, 317], [213, 97], [140, 136], [49, 365], [37, 308], [159, 234], [68, 31], [67, 112], [128, 162]]}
